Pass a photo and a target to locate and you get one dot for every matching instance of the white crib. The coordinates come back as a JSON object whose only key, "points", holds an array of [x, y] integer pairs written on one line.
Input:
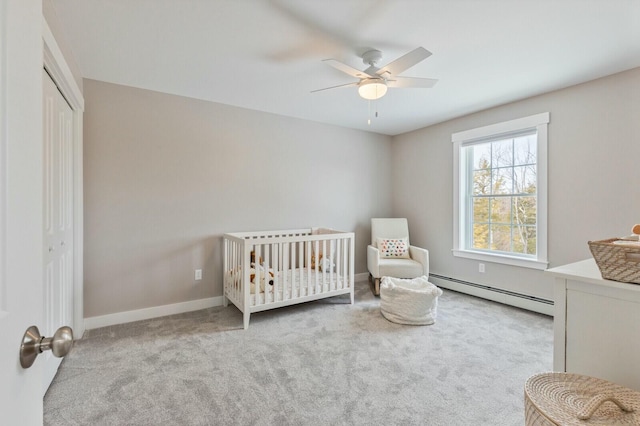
{"points": [[270, 269]]}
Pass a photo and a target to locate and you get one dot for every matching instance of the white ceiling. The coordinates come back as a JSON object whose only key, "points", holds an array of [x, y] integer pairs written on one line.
{"points": [[266, 54]]}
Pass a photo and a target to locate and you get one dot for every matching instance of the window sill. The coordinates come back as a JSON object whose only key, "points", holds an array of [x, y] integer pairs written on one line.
{"points": [[500, 258]]}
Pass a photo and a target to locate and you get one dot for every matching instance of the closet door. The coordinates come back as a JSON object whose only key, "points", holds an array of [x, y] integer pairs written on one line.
{"points": [[58, 218]]}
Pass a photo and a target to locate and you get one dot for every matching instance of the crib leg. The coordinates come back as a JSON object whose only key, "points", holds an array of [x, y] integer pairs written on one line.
{"points": [[352, 296], [225, 300], [245, 318]]}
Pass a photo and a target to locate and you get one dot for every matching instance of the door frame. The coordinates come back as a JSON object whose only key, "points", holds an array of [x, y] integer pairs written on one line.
{"points": [[57, 67]]}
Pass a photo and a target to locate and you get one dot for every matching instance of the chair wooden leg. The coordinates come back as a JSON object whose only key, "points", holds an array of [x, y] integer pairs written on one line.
{"points": [[374, 284]]}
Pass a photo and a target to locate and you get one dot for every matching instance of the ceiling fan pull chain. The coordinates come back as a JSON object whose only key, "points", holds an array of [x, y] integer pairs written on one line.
{"points": [[369, 118]]}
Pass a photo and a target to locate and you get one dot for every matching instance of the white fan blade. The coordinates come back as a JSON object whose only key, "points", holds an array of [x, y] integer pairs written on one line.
{"points": [[335, 87], [405, 62], [347, 69], [407, 82]]}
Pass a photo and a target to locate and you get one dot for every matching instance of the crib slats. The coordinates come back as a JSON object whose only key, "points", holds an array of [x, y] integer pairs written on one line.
{"points": [[321, 265], [264, 274], [293, 269], [334, 271], [338, 266], [309, 261], [316, 266], [284, 250], [300, 267], [343, 263], [246, 278], [275, 261]]}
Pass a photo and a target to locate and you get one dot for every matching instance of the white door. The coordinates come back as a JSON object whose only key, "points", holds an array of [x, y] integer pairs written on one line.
{"points": [[20, 206], [57, 218]]}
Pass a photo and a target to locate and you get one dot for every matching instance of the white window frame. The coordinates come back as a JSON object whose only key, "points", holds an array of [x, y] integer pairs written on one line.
{"points": [[539, 122]]}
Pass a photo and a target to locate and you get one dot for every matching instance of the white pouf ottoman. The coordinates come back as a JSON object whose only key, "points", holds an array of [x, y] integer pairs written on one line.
{"points": [[409, 301]]}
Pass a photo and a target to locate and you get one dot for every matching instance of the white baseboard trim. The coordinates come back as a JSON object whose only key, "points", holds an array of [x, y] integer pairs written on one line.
{"points": [[161, 311], [148, 313], [485, 292]]}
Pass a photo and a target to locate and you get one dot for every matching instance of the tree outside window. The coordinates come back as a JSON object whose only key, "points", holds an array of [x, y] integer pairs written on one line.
{"points": [[503, 195]]}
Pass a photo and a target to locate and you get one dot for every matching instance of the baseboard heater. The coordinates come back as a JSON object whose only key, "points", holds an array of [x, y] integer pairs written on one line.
{"points": [[507, 297]]}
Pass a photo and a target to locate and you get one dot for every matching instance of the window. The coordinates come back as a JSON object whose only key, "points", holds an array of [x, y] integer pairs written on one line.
{"points": [[500, 192]]}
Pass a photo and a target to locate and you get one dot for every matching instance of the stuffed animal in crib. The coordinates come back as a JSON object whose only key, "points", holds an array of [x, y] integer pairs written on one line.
{"points": [[260, 266], [265, 275], [324, 263], [253, 258]]}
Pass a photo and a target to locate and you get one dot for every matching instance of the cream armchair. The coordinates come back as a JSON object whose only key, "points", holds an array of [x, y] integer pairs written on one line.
{"points": [[391, 255]]}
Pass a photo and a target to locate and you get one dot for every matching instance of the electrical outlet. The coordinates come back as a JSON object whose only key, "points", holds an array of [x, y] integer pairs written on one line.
{"points": [[198, 274], [481, 267]]}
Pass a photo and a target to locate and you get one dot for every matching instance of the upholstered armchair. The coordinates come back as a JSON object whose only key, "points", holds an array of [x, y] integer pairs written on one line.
{"points": [[391, 255]]}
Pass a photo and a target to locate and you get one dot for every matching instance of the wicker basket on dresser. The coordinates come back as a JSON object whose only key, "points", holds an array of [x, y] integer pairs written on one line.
{"points": [[617, 259]]}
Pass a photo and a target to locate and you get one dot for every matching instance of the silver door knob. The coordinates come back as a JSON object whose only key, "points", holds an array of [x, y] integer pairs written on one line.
{"points": [[33, 344]]}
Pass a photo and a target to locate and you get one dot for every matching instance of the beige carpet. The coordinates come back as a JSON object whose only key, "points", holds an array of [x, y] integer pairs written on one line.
{"points": [[320, 363]]}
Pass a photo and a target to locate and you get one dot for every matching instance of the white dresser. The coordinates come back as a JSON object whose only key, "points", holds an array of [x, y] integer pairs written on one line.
{"points": [[596, 324]]}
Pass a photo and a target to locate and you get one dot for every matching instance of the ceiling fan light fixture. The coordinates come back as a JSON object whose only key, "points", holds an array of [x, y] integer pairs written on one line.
{"points": [[372, 89]]}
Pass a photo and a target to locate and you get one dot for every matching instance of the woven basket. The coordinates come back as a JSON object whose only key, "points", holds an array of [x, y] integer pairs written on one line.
{"points": [[553, 399], [616, 261]]}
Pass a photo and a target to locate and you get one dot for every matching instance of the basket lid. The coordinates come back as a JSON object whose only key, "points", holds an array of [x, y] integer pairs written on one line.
{"points": [[564, 397]]}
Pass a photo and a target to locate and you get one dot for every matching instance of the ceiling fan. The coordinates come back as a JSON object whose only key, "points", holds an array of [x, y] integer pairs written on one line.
{"points": [[373, 82]]}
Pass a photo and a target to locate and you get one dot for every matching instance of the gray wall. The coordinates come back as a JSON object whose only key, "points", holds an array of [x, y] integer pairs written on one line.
{"points": [[594, 170], [166, 176]]}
